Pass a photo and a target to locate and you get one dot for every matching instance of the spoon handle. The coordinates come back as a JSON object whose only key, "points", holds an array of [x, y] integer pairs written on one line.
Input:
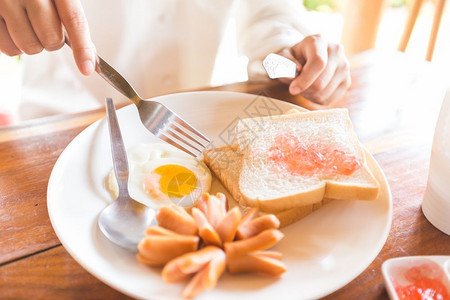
{"points": [[119, 154]]}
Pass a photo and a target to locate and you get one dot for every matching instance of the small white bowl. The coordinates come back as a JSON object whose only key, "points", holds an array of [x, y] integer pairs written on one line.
{"points": [[394, 271]]}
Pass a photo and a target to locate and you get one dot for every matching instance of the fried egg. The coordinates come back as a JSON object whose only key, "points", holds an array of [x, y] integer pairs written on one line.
{"points": [[160, 174]]}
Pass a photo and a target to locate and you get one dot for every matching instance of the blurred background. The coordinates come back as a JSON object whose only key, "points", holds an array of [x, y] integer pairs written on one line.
{"points": [[359, 24]]}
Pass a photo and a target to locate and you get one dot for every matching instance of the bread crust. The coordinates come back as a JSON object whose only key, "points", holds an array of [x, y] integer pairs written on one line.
{"points": [[312, 196]]}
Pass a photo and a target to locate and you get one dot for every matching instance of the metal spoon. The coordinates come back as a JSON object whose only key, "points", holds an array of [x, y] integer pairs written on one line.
{"points": [[125, 220]]}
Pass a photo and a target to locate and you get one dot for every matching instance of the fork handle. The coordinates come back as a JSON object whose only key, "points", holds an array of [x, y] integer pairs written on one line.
{"points": [[116, 80], [112, 76]]}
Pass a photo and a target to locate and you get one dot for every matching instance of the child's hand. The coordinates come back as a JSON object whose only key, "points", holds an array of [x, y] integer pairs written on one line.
{"points": [[324, 70]]}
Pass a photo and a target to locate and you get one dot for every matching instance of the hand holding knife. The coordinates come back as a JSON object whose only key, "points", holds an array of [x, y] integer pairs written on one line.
{"points": [[313, 68]]}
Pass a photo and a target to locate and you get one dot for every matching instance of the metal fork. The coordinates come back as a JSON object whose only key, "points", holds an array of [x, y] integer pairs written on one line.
{"points": [[156, 117]]}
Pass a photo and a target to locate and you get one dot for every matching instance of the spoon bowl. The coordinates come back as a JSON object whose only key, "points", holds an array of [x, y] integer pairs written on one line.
{"points": [[124, 222]]}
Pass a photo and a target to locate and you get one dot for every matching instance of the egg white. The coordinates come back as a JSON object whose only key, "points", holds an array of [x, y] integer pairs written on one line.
{"points": [[145, 158]]}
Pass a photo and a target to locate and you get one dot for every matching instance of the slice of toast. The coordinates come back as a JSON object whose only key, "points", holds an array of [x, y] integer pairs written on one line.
{"points": [[225, 163], [297, 159]]}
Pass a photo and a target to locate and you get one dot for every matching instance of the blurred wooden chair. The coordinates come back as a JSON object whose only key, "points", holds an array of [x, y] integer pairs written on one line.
{"points": [[361, 22], [412, 17]]}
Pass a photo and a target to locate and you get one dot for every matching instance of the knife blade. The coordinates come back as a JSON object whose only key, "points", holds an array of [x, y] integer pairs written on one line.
{"points": [[278, 66]]}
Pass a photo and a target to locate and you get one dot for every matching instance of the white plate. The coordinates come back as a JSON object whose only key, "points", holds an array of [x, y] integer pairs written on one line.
{"points": [[323, 252]]}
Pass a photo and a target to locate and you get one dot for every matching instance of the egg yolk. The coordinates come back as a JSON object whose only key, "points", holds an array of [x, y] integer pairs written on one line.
{"points": [[174, 181]]}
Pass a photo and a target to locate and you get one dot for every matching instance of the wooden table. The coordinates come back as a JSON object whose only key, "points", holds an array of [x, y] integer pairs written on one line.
{"points": [[393, 103]]}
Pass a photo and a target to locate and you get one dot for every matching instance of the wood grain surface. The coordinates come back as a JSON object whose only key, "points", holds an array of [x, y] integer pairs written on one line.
{"points": [[393, 103]]}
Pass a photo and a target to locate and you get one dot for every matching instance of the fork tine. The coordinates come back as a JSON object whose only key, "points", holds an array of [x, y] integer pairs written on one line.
{"points": [[179, 138], [186, 125], [183, 131], [176, 135], [169, 140]]}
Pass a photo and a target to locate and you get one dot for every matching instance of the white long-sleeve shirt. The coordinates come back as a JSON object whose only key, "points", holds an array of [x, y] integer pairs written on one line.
{"points": [[160, 46]]}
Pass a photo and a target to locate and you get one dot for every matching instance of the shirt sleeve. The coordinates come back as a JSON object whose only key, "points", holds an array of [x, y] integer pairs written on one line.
{"points": [[265, 26]]}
